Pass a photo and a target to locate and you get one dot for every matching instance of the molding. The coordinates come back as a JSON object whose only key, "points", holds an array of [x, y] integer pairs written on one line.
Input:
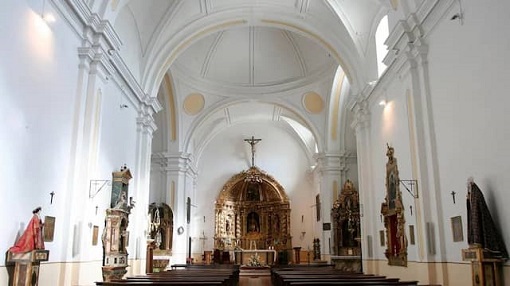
{"points": [[175, 163], [101, 45], [406, 43]]}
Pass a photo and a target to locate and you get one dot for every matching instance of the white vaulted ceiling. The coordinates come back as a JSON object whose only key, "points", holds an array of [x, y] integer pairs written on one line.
{"points": [[254, 57], [228, 54]]}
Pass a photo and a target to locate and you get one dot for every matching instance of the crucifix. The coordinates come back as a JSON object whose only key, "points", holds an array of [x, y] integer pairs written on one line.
{"points": [[203, 238], [453, 196], [252, 141], [52, 194]]}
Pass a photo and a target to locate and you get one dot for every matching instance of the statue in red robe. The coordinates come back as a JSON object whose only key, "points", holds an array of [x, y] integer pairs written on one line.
{"points": [[32, 238]]}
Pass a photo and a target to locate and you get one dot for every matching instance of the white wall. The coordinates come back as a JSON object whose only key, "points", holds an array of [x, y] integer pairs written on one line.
{"points": [[41, 140], [469, 85], [36, 107], [468, 68]]}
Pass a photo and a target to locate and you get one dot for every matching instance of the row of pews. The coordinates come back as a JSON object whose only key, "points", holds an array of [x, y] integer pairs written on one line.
{"points": [[321, 276], [221, 275]]}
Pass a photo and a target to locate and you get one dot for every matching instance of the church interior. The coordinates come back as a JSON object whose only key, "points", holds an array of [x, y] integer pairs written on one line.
{"points": [[365, 135]]}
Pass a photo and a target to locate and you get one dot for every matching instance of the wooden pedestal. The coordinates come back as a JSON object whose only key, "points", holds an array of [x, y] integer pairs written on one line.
{"points": [[26, 271], [297, 255], [486, 266]]}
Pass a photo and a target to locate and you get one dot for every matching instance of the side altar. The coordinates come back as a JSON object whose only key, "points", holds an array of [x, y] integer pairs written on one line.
{"points": [[346, 230]]}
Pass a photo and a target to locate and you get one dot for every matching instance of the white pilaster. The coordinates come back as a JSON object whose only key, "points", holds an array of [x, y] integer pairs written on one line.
{"points": [[368, 208]]}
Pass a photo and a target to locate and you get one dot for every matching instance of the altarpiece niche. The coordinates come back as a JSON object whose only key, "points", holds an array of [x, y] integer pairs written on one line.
{"points": [[392, 210], [161, 227], [346, 221], [252, 212]]}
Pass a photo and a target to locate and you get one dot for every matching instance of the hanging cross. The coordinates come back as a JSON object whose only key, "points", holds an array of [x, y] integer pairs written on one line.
{"points": [[96, 209], [252, 141], [453, 196], [411, 208], [52, 194]]}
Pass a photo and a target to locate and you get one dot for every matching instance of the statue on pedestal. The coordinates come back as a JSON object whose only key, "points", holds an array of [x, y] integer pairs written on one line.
{"points": [[28, 252], [32, 238]]}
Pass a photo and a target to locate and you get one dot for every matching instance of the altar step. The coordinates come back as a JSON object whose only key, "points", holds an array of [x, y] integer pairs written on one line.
{"points": [[255, 271]]}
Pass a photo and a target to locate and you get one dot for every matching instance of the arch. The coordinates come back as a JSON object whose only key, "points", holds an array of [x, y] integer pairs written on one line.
{"points": [[194, 130], [171, 46]]}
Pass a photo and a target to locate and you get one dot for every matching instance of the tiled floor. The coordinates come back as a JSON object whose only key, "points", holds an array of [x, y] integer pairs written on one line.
{"points": [[255, 281]]}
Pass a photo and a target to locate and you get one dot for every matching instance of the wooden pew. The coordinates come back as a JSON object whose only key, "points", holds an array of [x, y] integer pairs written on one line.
{"points": [[224, 276], [314, 276]]}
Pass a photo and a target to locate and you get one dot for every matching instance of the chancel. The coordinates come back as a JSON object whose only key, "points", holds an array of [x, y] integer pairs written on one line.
{"points": [[319, 137]]}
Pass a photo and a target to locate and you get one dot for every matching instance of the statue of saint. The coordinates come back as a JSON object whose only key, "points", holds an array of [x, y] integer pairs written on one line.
{"points": [[32, 238], [253, 223]]}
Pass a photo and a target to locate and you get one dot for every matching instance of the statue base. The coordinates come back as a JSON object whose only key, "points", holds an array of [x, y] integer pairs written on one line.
{"points": [[486, 265]]}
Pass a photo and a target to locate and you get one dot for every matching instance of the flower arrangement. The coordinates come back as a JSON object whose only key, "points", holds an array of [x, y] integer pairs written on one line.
{"points": [[254, 261]]}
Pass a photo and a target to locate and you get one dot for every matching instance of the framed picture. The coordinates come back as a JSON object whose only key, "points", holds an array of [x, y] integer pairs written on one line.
{"points": [[411, 235], [457, 232], [49, 228], [95, 233], [326, 226], [381, 238]]}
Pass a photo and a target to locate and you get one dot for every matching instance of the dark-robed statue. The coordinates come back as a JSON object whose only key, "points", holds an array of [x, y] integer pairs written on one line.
{"points": [[481, 229]]}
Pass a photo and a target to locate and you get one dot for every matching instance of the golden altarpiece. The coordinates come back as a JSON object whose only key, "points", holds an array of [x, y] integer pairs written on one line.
{"points": [[252, 213], [346, 230], [392, 209]]}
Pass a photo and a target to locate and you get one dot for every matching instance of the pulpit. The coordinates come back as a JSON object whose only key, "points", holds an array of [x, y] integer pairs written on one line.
{"points": [[115, 236]]}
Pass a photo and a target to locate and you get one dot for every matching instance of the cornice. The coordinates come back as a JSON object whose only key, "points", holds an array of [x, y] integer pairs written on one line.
{"points": [[100, 46], [175, 163]]}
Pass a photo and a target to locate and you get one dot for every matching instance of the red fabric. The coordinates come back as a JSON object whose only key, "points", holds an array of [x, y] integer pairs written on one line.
{"points": [[32, 237]]}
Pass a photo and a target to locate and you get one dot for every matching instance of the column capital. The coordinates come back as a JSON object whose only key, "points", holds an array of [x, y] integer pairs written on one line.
{"points": [[146, 124]]}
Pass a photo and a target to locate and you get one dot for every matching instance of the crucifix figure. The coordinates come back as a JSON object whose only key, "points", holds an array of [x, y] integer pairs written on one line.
{"points": [[453, 196], [252, 141], [52, 194]]}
